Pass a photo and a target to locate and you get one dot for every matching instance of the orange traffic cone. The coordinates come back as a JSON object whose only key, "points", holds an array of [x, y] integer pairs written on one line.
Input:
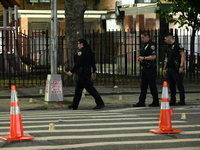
{"points": [[165, 125], [16, 128]]}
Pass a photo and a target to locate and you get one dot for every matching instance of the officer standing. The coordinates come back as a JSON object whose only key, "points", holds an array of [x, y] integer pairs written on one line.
{"points": [[148, 61], [84, 62], [174, 68]]}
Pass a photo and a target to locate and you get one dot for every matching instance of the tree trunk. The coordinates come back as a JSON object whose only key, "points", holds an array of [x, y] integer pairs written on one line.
{"points": [[191, 58], [74, 21]]}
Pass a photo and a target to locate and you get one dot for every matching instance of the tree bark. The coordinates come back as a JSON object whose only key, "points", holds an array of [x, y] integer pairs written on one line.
{"points": [[74, 21]]}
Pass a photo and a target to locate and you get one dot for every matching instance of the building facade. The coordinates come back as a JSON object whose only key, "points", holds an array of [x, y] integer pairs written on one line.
{"points": [[100, 14]]}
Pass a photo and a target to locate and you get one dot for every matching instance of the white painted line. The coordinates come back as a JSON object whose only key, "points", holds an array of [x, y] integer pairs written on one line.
{"points": [[105, 129], [64, 114], [104, 144], [74, 117], [182, 148], [71, 137], [97, 136], [67, 113], [95, 124], [57, 130], [191, 132], [79, 120]]}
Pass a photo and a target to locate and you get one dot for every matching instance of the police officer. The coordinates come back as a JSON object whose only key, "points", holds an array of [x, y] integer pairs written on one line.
{"points": [[148, 61], [84, 62], [174, 68]]}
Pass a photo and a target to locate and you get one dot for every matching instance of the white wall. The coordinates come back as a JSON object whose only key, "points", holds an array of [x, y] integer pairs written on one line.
{"points": [[113, 25]]}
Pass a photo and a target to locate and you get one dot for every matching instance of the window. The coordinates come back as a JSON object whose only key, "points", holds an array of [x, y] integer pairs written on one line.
{"points": [[44, 1], [39, 1]]}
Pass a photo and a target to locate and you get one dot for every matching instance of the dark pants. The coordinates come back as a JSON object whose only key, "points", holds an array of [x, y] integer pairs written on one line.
{"points": [[85, 82], [149, 79], [176, 79]]}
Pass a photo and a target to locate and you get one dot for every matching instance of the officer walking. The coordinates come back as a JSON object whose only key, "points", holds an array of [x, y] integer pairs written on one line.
{"points": [[84, 62], [174, 68], [148, 61]]}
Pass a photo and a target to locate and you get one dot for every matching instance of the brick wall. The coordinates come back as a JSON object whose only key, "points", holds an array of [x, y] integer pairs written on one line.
{"points": [[24, 25], [103, 5], [150, 24], [107, 5]]}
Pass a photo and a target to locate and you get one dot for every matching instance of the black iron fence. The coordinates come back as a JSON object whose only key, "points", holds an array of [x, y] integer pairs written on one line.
{"points": [[25, 59]]}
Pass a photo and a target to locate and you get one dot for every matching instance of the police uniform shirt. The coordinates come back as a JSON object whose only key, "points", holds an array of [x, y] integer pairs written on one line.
{"points": [[149, 49], [173, 52], [84, 59]]}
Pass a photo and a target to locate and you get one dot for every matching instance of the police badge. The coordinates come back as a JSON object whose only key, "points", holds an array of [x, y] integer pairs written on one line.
{"points": [[153, 47], [79, 53], [181, 46]]}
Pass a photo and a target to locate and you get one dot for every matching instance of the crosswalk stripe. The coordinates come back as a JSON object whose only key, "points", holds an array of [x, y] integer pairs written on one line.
{"points": [[102, 129], [182, 148], [71, 116], [95, 124], [93, 136], [107, 129], [102, 115], [71, 113], [82, 120], [64, 113], [98, 144], [84, 123], [97, 136]]}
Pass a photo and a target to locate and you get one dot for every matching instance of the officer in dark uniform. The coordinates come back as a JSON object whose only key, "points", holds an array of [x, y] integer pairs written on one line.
{"points": [[148, 61], [174, 68], [84, 63]]}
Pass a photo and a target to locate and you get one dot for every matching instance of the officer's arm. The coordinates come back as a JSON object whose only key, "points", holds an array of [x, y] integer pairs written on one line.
{"points": [[183, 56], [164, 69], [150, 57], [165, 66]]}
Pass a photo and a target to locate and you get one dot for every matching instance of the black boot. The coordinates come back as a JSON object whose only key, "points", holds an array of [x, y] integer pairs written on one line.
{"points": [[139, 104], [154, 104], [180, 103], [172, 102], [71, 107]]}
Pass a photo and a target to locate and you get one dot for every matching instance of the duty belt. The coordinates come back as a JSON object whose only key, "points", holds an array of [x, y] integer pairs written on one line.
{"points": [[148, 64], [173, 64]]}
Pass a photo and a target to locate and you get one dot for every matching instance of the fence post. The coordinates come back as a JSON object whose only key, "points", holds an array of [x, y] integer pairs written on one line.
{"points": [[198, 65], [135, 57], [47, 50], [125, 51], [113, 58], [9, 72], [186, 61]]}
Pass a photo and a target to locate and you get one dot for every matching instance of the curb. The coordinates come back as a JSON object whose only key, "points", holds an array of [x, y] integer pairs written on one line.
{"points": [[71, 95]]}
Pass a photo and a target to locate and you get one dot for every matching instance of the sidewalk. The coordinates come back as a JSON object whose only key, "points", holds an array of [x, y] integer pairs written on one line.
{"points": [[121, 96]]}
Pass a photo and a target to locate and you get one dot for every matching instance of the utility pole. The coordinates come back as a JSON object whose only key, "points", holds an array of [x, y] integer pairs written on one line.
{"points": [[54, 37], [54, 89]]}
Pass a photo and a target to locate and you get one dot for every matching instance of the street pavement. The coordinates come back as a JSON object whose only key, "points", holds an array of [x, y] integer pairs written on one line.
{"points": [[105, 129], [118, 126]]}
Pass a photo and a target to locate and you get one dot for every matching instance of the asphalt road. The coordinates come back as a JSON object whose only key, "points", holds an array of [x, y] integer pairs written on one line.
{"points": [[117, 127]]}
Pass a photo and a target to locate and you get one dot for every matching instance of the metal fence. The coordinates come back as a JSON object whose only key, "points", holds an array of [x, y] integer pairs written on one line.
{"points": [[25, 59]]}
